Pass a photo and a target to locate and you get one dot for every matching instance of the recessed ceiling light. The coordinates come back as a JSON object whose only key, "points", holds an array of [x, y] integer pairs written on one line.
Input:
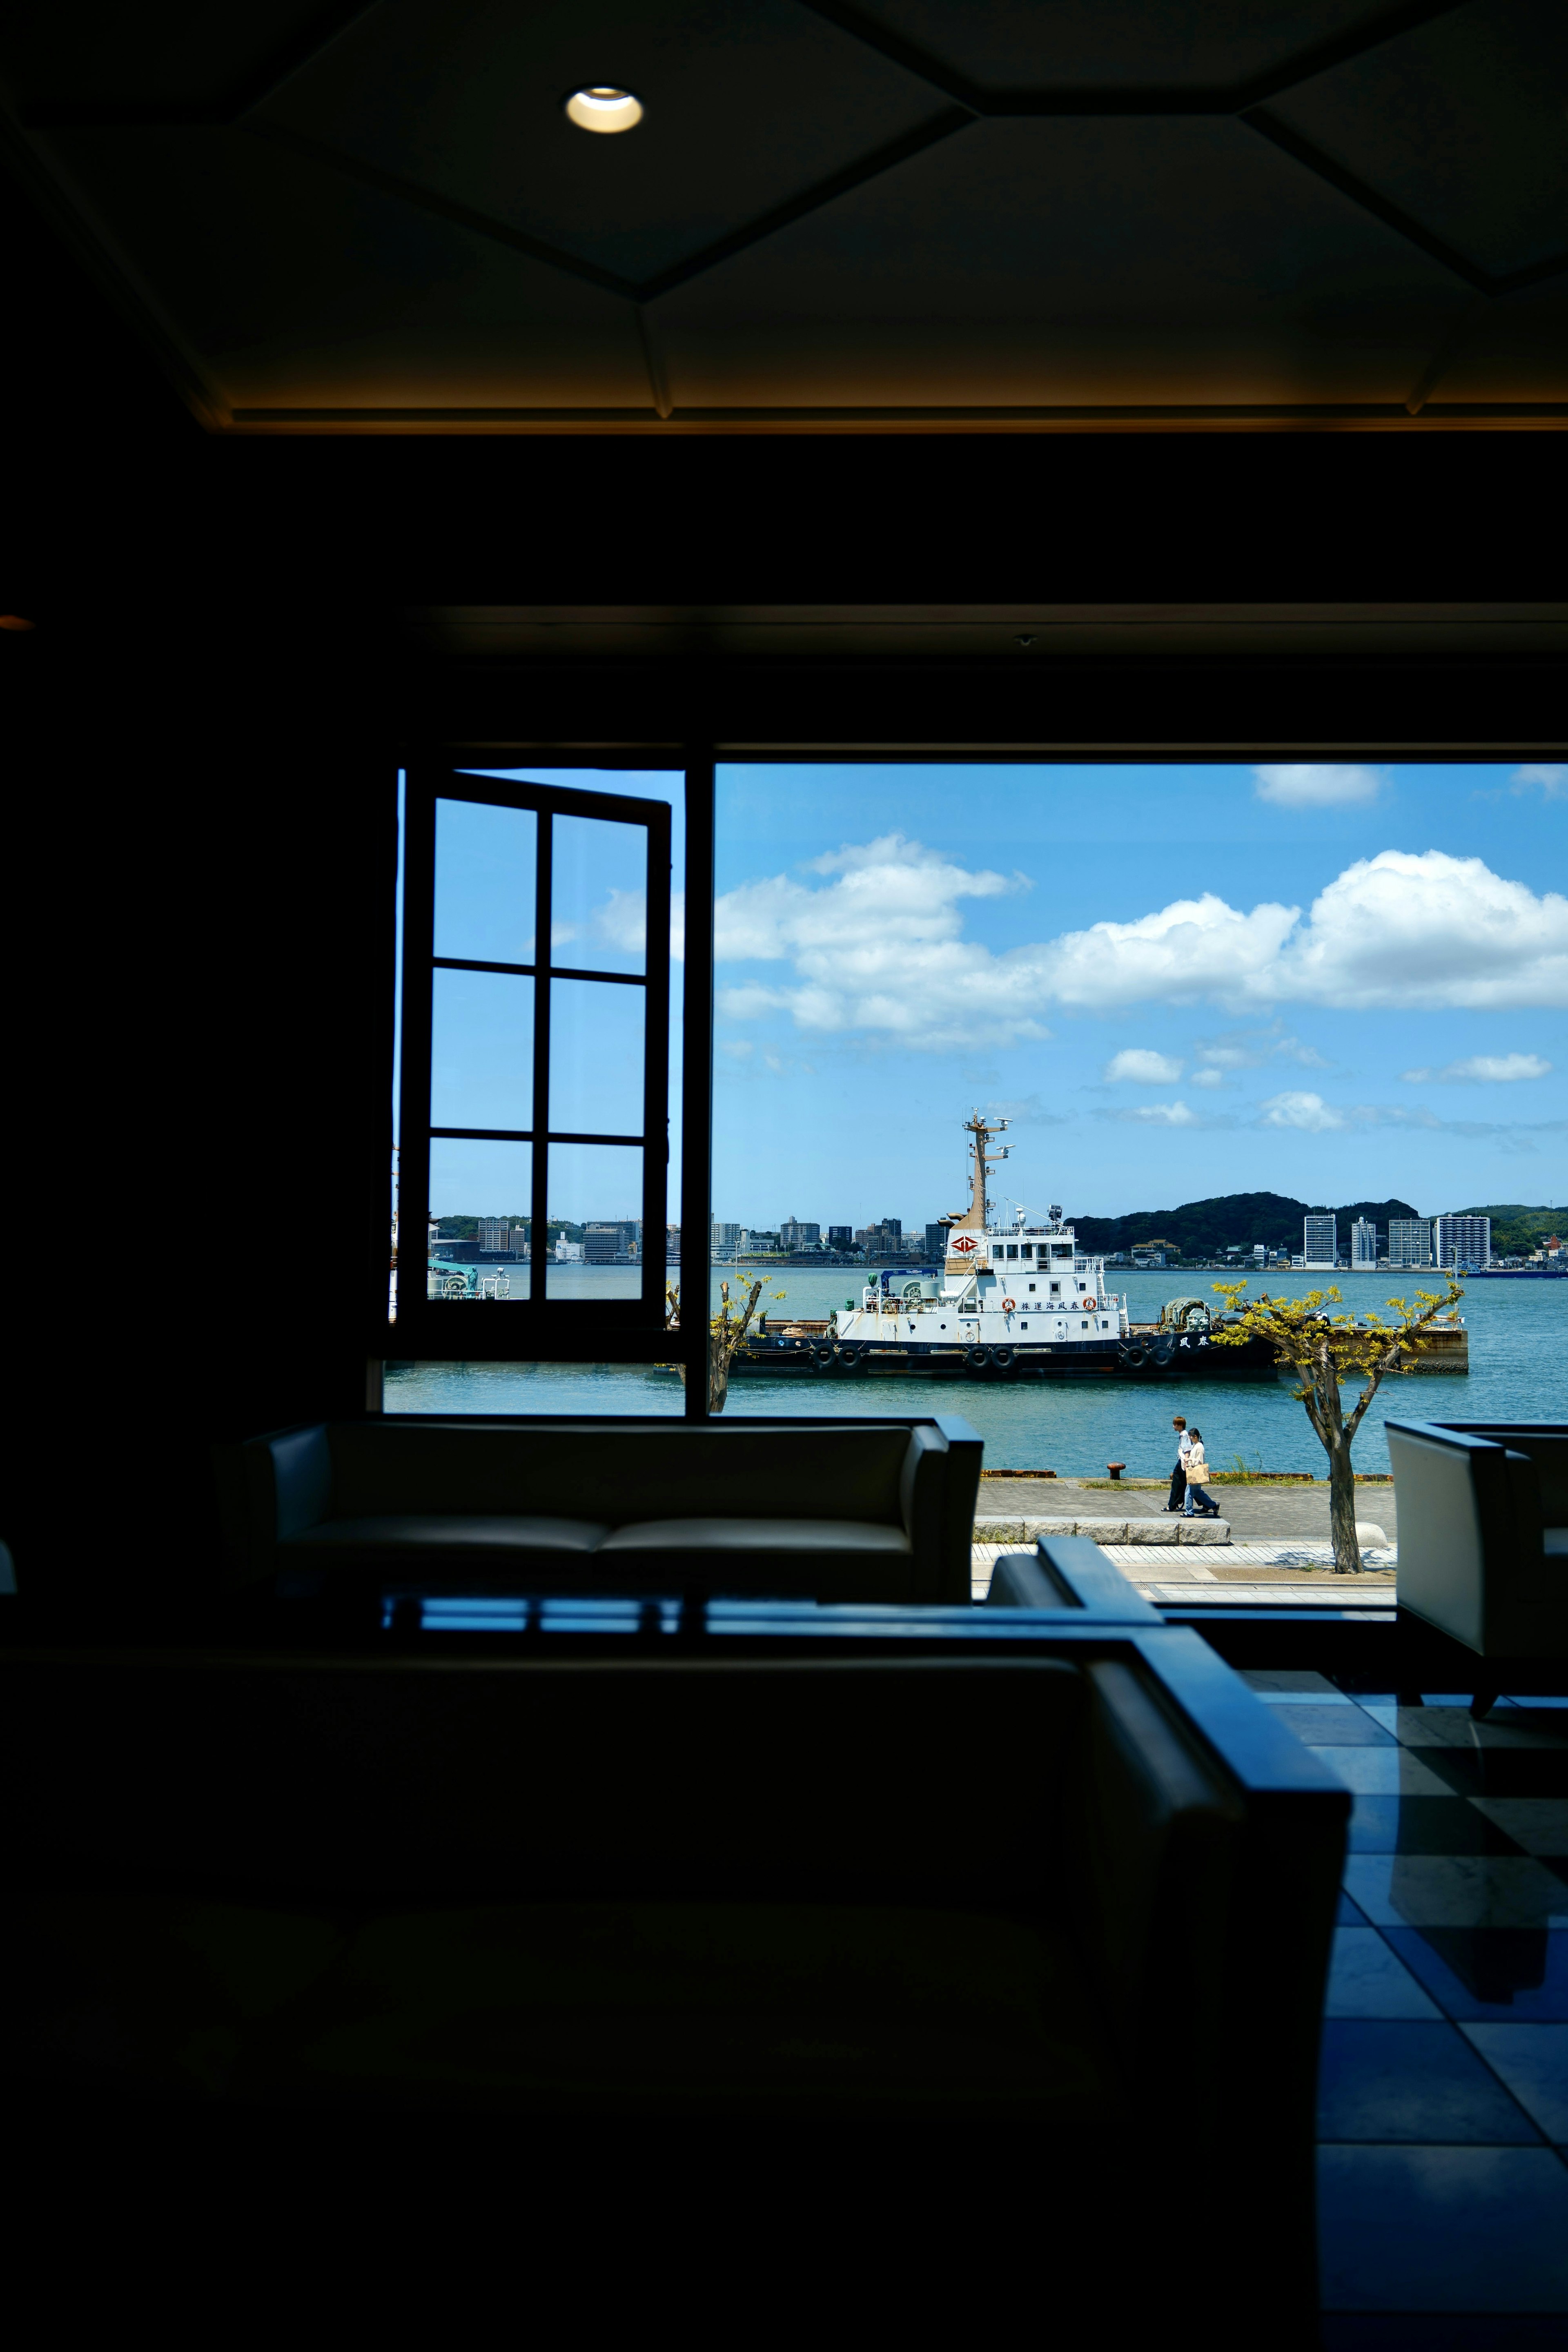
{"points": [[604, 110]]}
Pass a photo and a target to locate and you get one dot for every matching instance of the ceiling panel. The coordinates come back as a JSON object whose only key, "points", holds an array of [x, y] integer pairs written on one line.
{"points": [[1514, 351], [169, 53], [1048, 262], [745, 109], [1007, 44], [299, 288], [1463, 124], [1027, 213]]}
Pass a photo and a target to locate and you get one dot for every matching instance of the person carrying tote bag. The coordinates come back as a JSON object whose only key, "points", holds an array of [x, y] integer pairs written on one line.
{"points": [[1197, 1471]]}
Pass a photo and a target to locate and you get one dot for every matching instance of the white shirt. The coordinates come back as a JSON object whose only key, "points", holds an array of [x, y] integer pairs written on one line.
{"points": [[1183, 1446]]}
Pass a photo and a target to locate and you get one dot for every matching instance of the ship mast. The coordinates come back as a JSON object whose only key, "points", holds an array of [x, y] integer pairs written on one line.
{"points": [[980, 1132]]}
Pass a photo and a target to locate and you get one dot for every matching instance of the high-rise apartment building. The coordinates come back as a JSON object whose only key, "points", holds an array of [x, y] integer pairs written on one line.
{"points": [[1319, 1243], [936, 1241], [1462, 1240], [841, 1237], [494, 1233], [725, 1237], [1364, 1246], [793, 1236], [1409, 1241]]}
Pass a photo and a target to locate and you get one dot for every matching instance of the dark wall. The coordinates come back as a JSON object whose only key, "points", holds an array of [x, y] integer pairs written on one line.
{"points": [[200, 736]]}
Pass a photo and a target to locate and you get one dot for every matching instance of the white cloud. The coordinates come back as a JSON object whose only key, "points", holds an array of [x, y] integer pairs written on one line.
{"points": [[1142, 1067], [1249, 1049], [879, 948], [1489, 1069], [1208, 1078], [1549, 774], [1310, 1112], [622, 922], [1317, 784], [1429, 930], [1172, 1114]]}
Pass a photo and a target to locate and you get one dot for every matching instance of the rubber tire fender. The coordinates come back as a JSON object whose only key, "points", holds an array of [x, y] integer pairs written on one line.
{"points": [[823, 1358], [1135, 1355], [977, 1358], [1002, 1359]]}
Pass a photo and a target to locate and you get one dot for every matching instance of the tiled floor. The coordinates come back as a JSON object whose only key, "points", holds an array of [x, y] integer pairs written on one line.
{"points": [[1443, 2113]]}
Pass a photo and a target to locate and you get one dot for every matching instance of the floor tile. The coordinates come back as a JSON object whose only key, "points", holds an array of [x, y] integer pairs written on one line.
{"points": [[1538, 1824], [1347, 1916], [1498, 1972], [1456, 1890], [1532, 2060], [1297, 1680], [1394, 2079], [1388, 1771], [1424, 1825], [1453, 1727], [1440, 2331], [1443, 2229], [1337, 1725], [1368, 1979], [1499, 1771]]}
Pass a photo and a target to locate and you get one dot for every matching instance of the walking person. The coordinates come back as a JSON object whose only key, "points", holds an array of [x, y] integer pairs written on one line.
{"points": [[1197, 1468], [1179, 1475]]}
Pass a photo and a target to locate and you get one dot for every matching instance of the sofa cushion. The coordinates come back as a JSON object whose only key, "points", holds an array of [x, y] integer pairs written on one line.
{"points": [[838, 1560], [744, 1536], [451, 1531]]}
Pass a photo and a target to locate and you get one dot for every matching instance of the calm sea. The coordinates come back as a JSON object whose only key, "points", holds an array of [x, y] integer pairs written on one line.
{"points": [[1519, 1371]]}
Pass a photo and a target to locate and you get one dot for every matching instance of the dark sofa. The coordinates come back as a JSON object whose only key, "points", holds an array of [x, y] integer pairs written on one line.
{"points": [[827, 1510], [1057, 1877]]}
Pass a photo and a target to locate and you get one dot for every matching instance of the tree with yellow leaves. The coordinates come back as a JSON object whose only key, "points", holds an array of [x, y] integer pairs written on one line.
{"points": [[1324, 1349], [726, 1329]]}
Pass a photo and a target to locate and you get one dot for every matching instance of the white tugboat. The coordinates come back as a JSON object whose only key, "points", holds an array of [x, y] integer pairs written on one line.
{"points": [[1011, 1299], [1006, 1295]]}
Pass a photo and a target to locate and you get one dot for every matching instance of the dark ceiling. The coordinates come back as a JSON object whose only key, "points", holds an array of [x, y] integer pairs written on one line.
{"points": [[916, 213]]}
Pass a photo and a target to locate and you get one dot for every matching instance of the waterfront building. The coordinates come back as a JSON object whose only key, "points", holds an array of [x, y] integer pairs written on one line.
{"points": [[1462, 1240], [1319, 1244], [936, 1242], [726, 1238], [609, 1241], [1364, 1246], [793, 1236], [841, 1237], [568, 1253], [1409, 1241]]}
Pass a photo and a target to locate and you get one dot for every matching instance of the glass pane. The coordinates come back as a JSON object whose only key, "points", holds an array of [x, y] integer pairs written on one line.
{"points": [[482, 1057], [638, 1391], [596, 1221], [485, 862], [598, 885], [596, 1058], [480, 1197]]}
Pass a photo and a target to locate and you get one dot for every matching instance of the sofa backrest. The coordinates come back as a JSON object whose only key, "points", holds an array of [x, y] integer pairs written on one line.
{"points": [[1546, 1445], [536, 1779], [591, 1471], [1441, 1541]]}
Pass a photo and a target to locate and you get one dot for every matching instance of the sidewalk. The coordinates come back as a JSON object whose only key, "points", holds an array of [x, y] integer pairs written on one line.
{"points": [[1255, 1514]]}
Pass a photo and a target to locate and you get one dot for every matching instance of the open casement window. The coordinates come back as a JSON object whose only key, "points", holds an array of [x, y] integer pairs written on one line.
{"points": [[535, 1077]]}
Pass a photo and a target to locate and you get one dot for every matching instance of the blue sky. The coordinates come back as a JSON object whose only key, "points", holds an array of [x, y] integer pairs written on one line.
{"points": [[1336, 982], [1333, 981]]}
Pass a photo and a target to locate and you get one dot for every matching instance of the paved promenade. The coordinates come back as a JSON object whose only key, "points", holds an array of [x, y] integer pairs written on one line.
{"points": [[1279, 1550]]}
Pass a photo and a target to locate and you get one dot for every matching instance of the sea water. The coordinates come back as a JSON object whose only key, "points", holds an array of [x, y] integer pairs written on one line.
{"points": [[1519, 1371]]}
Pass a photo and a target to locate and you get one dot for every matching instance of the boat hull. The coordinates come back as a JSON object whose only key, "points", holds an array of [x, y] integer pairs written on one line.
{"points": [[1189, 1356]]}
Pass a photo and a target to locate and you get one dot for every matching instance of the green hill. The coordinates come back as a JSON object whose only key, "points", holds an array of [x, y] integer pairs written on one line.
{"points": [[1234, 1221], [1516, 1229]]}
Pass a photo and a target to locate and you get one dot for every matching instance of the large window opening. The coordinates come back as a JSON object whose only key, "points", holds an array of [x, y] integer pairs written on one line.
{"points": [[1296, 1024]]}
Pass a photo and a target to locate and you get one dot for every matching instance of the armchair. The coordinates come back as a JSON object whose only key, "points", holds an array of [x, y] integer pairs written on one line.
{"points": [[1483, 1548]]}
